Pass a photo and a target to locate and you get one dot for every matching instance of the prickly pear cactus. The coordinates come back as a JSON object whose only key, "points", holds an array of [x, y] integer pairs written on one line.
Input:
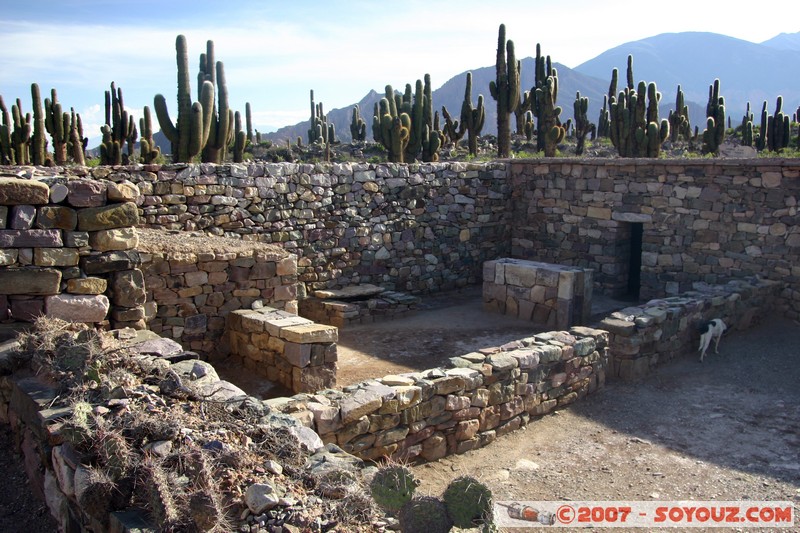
{"points": [[425, 514], [468, 501], [392, 487]]}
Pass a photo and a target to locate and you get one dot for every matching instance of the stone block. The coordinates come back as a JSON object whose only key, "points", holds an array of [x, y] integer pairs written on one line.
{"points": [[108, 217], [128, 289], [86, 193], [310, 333], [30, 281], [15, 191], [77, 307], [21, 216], [114, 239], [30, 238], [297, 354], [55, 257], [56, 217]]}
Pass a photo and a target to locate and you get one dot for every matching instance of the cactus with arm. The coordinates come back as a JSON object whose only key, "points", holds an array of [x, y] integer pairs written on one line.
{"points": [[505, 90], [472, 118], [147, 146]]}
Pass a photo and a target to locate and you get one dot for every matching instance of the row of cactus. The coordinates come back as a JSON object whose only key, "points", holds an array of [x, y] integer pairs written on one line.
{"points": [[471, 121], [635, 128], [406, 125], [714, 133], [221, 127], [582, 125], [466, 502], [118, 129], [23, 136], [774, 133], [505, 90]]}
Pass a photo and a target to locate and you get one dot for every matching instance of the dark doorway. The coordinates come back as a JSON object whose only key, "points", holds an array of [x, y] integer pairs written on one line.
{"points": [[635, 261]]}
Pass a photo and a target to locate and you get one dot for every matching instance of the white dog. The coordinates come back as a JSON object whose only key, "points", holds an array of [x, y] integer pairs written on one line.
{"points": [[711, 330]]}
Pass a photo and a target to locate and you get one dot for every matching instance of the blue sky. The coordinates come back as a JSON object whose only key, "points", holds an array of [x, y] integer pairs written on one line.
{"points": [[274, 52]]}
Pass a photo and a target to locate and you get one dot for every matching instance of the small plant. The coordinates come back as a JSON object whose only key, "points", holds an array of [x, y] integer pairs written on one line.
{"points": [[468, 501], [425, 514], [392, 487]]}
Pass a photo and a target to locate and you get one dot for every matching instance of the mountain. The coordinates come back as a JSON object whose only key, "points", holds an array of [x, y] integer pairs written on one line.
{"points": [[784, 41], [748, 72]]}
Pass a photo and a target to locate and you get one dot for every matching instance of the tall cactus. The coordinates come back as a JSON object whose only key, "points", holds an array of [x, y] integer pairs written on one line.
{"points": [[603, 121], [21, 135], [715, 120], [147, 145], [679, 118], [635, 127], [38, 146], [190, 133], [760, 139], [116, 129], [57, 123], [358, 128], [221, 126], [453, 129], [320, 130], [582, 125], [239, 139], [548, 124], [432, 136], [778, 128], [505, 90], [76, 143], [390, 127], [249, 122], [472, 118], [6, 127]]}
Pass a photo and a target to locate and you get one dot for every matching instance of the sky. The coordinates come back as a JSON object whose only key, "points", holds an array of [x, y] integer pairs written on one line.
{"points": [[274, 52]]}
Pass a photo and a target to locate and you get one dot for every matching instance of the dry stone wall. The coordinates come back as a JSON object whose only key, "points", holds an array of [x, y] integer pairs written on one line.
{"points": [[68, 250], [412, 228], [703, 220]]}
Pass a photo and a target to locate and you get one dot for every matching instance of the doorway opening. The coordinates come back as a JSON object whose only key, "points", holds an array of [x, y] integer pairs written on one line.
{"points": [[634, 261]]}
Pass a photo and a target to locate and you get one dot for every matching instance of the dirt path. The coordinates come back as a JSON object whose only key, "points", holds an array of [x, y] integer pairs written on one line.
{"points": [[728, 429]]}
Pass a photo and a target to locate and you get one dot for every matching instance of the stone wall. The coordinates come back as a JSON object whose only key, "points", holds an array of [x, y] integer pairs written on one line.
{"points": [[642, 337], [552, 295], [68, 250], [194, 281], [412, 228], [287, 349], [428, 415], [703, 220]]}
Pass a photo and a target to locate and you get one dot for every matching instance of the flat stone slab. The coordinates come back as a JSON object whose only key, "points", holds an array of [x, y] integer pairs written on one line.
{"points": [[348, 293]]}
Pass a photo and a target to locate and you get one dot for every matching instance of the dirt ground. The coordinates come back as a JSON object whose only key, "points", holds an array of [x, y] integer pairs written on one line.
{"points": [[727, 429]]}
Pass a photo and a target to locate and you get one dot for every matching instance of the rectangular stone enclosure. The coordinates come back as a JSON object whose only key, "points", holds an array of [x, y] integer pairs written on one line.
{"points": [[552, 295]]}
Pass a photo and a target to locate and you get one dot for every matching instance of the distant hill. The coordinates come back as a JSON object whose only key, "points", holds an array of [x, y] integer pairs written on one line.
{"points": [[747, 71], [784, 41]]}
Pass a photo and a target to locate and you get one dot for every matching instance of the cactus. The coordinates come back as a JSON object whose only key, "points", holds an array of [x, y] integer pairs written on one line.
{"points": [[221, 128], [76, 142], [130, 139], [468, 501], [390, 127], [778, 128], [415, 111], [358, 128], [472, 118], [425, 514], [190, 133], [543, 71], [760, 139], [249, 122], [392, 487], [239, 139], [679, 118], [603, 121], [115, 129], [635, 128], [21, 135], [56, 123], [6, 147], [147, 145], [582, 125], [38, 147], [547, 113], [715, 128], [747, 133], [161, 496], [453, 129], [529, 126], [505, 90]]}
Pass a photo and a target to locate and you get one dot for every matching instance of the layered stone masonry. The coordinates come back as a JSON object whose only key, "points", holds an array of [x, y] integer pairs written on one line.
{"points": [[358, 304], [642, 337], [292, 351], [430, 414], [553, 295], [415, 228], [194, 281], [703, 220], [68, 250]]}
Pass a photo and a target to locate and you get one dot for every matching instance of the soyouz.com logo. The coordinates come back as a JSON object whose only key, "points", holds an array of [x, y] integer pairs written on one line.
{"points": [[648, 514]]}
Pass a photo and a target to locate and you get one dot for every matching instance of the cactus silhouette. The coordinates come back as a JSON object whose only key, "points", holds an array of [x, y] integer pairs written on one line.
{"points": [[505, 90]]}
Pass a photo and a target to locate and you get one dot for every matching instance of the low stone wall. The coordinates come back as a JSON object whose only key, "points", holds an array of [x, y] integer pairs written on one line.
{"points": [[645, 336], [553, 295], [194, 281], [428, 415], [68, 250], [358, 304], [287, 349]]}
